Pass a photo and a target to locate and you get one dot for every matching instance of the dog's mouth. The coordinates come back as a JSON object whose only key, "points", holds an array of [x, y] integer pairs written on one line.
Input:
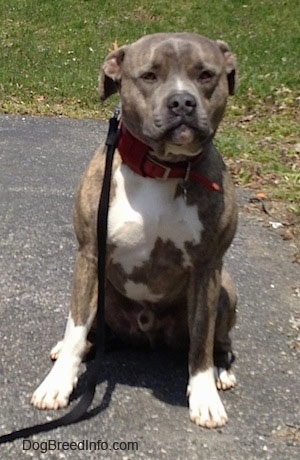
{"points": [[184, 139], [186, 132], [179, 139], [182, 135]]}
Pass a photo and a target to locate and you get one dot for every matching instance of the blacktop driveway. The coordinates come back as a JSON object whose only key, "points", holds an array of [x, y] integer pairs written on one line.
{"points": [[41, 161]]}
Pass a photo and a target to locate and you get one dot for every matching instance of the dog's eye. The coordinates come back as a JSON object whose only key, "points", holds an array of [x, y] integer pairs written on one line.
{"points": [[149, 76], [205, 76]]}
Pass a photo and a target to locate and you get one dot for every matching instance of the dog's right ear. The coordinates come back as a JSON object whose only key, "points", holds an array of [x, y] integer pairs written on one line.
{"points": [[111, 73]]}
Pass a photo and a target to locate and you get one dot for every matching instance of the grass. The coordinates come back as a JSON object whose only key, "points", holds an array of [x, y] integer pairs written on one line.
{"points": [[51, 52]]}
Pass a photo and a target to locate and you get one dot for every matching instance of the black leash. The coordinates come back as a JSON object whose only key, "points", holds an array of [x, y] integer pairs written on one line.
{"points": [[79, 412]]}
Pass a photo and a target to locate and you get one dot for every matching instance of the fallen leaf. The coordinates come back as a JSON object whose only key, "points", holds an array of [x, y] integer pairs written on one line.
{"points": [[261, 196]]}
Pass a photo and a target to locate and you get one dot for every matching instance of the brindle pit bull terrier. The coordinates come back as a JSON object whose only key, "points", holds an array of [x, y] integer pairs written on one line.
{"points": [[172, 216]]}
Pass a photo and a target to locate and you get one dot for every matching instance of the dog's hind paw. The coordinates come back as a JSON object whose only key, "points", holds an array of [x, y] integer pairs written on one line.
{"points": [[55, 351], [225, 379], [205, 405]]}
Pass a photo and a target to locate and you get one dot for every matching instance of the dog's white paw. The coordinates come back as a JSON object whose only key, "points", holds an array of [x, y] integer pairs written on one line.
{"points": [[54, 392], [55, 351], [205, 406], [224, 379]]}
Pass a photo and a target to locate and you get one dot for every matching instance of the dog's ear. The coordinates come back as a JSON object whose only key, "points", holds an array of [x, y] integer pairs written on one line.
{"points": [[230, 65], [111, 73]]}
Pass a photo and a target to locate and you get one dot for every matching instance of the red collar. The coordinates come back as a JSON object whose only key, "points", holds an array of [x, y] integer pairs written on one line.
{"points": [[135, 154]]}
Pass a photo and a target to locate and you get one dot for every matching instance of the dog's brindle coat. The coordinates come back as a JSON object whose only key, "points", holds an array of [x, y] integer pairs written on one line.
{"points": [[166, 239]]}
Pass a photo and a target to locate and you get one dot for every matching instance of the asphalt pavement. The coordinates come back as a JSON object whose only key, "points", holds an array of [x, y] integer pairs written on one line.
{"points": [[140, 408]]}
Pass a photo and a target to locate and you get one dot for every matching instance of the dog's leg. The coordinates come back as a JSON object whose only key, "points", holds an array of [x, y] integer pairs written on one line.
{"points": [[226, 318], [206, 408], [55, 390]]}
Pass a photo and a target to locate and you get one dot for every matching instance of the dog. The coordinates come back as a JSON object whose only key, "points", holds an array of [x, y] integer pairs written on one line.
{"points": [[172, 216]]}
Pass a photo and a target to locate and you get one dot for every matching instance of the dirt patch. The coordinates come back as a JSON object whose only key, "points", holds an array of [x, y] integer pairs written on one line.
{"points": [[278, 215], [289, 433]]}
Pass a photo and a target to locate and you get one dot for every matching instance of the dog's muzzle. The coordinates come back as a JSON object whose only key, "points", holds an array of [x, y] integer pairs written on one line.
{"points": [[187, 121]]}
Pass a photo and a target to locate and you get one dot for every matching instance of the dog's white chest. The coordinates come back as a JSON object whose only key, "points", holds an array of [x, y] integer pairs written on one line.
{"points": [[144, 210]]}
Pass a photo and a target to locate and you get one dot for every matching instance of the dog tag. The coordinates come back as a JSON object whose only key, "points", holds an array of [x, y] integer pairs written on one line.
{"points": [[185, 185]]}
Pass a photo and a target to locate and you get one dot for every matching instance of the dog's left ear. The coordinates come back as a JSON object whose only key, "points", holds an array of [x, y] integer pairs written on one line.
{"points": [[230, 65], [111, 73]]}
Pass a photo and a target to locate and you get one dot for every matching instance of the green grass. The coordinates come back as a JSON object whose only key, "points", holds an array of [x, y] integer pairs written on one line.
{"points": [[51, 51]]}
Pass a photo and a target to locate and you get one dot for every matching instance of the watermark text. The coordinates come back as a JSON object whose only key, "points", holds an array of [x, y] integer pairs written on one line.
{"points": [[84, 444]]}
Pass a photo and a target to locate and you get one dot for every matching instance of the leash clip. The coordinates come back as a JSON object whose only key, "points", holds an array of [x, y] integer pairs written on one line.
{"points": [[113, 128]]}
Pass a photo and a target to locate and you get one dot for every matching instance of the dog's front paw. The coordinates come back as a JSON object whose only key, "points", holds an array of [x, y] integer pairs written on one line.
{"points": [[205, 405], [54, 392]]}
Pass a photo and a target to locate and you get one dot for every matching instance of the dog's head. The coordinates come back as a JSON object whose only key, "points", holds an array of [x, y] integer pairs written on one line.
{"points": [[173, 88]]}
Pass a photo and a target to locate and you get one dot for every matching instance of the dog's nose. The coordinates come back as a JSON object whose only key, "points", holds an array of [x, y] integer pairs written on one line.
{"points": [[182, 103]]}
